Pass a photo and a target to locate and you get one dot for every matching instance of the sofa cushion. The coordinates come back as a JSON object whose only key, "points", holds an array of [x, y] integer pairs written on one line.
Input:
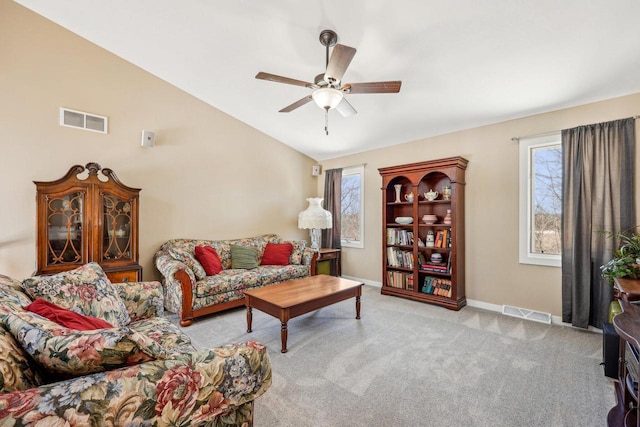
{"points": [[16, 372], [12, 297], [277, 254], [164, 333], [244, 257], [298, 249], [208, 257], [142, 299], [64, 317], [64, 351], [8, 282], [228, 281], [85, 290], [223, 249], [269, 274]]}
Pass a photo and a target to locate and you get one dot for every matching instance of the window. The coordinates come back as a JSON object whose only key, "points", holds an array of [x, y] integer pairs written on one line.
{"points": [[352, 207], [540, 200]]}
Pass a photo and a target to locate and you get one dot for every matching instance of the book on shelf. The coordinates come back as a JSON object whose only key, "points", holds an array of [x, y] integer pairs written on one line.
{"points": [[442, 239], [396, 236], [400, 280], [399, 258], [437, 286], [437, 268], [421, 258]]}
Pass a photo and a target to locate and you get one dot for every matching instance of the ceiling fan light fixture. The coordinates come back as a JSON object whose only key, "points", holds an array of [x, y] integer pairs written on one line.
{"points": [[327, 98]]}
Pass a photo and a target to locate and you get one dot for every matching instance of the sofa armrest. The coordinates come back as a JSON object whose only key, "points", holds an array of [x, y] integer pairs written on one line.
{"points": [[142, 299], [192, 389], [310, 258], [178, 286]]}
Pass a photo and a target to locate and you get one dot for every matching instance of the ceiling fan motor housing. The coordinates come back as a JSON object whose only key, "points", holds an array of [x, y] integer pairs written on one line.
{"points": [[328, 38]]}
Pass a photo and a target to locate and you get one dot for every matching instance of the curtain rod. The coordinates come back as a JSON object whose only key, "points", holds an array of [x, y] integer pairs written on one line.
{"points": [[352, 166], [518, 138]]}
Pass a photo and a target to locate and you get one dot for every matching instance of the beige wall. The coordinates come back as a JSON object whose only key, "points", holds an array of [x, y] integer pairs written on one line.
{"points": [[493, 272], [212, 176], [209, 176]]}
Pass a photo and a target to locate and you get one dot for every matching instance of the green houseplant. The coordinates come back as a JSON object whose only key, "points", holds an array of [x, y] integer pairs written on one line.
{"points": [[623, 263]]}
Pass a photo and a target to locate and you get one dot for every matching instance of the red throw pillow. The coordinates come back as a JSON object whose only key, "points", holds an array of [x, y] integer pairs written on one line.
{"points": [[277, 254], [67, 318], [208, 257]]}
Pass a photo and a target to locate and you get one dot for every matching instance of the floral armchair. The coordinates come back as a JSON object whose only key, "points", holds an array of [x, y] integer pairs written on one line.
{"points": [[142, 372]]}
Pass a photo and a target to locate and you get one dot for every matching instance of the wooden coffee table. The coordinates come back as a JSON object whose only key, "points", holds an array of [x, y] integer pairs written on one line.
{"points": [[290, 299]]}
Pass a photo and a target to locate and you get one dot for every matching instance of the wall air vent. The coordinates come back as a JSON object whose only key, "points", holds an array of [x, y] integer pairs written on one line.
{"points": [[82, 120]]}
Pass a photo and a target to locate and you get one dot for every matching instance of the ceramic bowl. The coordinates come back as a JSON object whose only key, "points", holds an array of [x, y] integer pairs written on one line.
{"points": [[404, 220], [429, 219]]}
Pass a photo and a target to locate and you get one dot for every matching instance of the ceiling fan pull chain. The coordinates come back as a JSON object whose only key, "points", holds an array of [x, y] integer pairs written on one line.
{"points": [[326, 121]]}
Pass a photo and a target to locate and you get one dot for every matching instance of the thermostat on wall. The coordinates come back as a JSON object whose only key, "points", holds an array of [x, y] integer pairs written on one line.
{"points": [[148, 138], [315, 170]]}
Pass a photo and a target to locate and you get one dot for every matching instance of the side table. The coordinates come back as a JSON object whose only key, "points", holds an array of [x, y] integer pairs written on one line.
{"points": [[625, 413], [626, 289], [333, 255]]}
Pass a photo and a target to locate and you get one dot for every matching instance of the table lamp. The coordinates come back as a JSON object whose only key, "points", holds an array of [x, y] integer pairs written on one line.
{"points": [[315, 219]]}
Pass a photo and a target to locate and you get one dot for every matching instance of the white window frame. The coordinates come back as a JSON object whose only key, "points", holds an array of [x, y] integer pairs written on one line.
{"points": [[349, 171], [525, 170]]}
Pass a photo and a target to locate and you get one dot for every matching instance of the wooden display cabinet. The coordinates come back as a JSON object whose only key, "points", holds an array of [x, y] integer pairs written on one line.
{"points": [[407, 267], [88, 215]]}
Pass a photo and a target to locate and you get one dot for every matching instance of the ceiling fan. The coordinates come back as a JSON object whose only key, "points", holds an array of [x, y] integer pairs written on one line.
{"points": [[328, 89]]}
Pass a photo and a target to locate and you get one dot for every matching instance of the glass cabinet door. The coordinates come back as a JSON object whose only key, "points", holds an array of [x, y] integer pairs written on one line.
{"points": [[65, 229], [116, 232]]}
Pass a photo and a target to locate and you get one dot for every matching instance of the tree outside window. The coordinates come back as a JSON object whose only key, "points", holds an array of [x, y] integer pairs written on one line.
{"points": [[546, 199], [351, 205]]}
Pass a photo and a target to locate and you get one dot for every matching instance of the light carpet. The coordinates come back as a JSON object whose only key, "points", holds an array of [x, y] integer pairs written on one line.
{"points": [[406, 363]]}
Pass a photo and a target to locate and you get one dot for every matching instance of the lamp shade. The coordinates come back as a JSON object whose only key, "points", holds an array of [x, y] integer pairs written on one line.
{"points": [[327, 97], [314, 216]]}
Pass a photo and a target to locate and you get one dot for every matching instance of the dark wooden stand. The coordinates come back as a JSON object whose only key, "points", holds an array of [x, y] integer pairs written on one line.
{"points": [[333, 255], [627, 325]]}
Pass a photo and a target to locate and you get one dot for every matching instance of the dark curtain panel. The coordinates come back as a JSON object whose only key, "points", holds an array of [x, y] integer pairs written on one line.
{"points": [[598, 194], [332, 195]]}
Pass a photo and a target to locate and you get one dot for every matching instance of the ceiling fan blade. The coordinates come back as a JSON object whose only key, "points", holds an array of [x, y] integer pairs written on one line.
{"points": [[280, 79], [345, 108], [298, 103], [340, 59], [373, 87]]}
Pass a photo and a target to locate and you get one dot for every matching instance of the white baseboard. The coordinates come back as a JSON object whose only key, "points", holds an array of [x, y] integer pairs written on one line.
{"points": [[556, 320], [365, 281]]}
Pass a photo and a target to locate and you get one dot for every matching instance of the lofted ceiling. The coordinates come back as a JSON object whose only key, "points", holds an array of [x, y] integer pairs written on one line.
{"points": [[462, 63]]}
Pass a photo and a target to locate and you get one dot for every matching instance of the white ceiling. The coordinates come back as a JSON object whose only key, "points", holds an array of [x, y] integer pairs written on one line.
{"points": [[462, 63]]}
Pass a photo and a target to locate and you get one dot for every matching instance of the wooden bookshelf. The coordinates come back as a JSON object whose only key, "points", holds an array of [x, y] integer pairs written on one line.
{"points": [[409, 267]]}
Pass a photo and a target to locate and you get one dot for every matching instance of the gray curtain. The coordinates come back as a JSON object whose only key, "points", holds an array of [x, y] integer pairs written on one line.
{"points": [[332, 195], [598, 195]]}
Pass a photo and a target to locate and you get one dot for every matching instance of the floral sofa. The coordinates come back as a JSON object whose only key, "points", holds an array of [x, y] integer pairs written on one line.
{"points": [[142, 371], [190, 292]]}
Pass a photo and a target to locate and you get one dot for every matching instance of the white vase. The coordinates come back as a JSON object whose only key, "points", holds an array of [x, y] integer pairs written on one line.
{"points": [[398, 188]]}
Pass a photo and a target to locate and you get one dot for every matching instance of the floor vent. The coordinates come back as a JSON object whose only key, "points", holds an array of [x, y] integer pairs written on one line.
{"points": [[82, 120], [523, 313]]}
